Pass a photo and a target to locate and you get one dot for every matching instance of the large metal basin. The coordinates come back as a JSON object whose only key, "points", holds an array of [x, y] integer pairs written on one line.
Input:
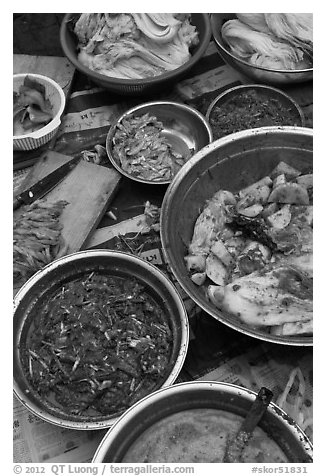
{"points": [[258, 73], [193, 395], [42, 285], [230, 163], [135, 87]]}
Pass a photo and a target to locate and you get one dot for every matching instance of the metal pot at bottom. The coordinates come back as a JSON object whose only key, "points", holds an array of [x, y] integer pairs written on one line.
{"points": [[193, 395]]}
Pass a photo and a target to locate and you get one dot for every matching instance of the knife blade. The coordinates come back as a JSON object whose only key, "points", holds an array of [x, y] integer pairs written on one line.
{"points": [[43, 186]]}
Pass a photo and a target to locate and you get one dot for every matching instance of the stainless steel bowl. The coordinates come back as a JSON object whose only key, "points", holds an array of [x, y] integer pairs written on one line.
{"points": [[51, 278], [262, 91], [185, 128], [258, 73], [230, 163], [185, 396], [135, 87]]}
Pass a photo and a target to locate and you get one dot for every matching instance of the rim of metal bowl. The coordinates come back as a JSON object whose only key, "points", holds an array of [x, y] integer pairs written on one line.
{"points": [[205, 385], [64, 422], [111, 133], [156, 80], [245, 63], [204, 304], [263, 87]]}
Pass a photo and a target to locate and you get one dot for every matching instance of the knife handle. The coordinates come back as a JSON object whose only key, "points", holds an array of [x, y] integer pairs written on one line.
{"points": [[17, 202]]}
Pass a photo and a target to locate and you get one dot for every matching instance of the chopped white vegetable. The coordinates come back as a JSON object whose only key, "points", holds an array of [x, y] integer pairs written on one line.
{"points": [[305, 180], [220, 251], [289, 193], [195, 262], [254, 186], [279, 180], [198, 278], [251, 211], [216, 270], [281, 218], [286, 169]]}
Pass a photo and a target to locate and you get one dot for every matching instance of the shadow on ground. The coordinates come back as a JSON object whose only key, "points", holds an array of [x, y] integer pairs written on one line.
{"points": [[37, 34]]}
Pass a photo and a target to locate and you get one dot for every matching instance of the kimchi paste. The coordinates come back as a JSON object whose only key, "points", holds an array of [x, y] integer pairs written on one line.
{"points": [[97, 345]]}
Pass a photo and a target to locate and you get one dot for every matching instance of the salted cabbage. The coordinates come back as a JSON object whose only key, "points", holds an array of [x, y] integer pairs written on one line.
{"points": [[134, 45], [271, 40]]}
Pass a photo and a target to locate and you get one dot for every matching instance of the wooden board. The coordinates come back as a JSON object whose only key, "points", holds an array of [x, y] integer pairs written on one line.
{"points": [[88, 188]]}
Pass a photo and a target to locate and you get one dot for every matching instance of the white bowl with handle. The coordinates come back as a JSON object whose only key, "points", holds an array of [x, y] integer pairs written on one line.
{"points": [[54, 93]]}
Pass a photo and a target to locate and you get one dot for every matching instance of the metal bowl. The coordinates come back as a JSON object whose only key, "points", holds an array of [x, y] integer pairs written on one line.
{"points": [[258, 73], [229, 163], [135, 87], [185, 128], [51, 278], [262, 91], [191, 395]]}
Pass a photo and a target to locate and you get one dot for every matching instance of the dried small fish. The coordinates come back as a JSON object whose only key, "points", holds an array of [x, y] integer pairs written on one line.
{"points": [[142, 150], [36, 237]]}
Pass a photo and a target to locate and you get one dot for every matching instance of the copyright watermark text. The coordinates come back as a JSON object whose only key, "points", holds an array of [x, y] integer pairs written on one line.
{"points": [[103, 469]]}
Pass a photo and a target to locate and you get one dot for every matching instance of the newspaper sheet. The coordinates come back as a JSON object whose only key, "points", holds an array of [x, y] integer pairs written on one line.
{"points": [[36, 441], [291, 386]]}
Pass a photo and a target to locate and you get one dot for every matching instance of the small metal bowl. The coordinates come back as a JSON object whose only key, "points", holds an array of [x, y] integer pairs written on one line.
{"points": [[262, 91], [201, 395], [185, 128], [51, 278], [258, 73]]}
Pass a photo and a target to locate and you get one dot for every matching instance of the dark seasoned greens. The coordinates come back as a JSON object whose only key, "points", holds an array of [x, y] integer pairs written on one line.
{"points": [[100, 343], [250, 109]]}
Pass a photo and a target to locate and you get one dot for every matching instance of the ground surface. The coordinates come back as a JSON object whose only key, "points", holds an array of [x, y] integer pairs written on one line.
{"points": [[37, 33]]}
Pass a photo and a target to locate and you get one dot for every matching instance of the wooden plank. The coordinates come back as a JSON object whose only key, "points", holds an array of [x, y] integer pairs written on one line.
{"points": [[88, 189], [57, 68]]}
